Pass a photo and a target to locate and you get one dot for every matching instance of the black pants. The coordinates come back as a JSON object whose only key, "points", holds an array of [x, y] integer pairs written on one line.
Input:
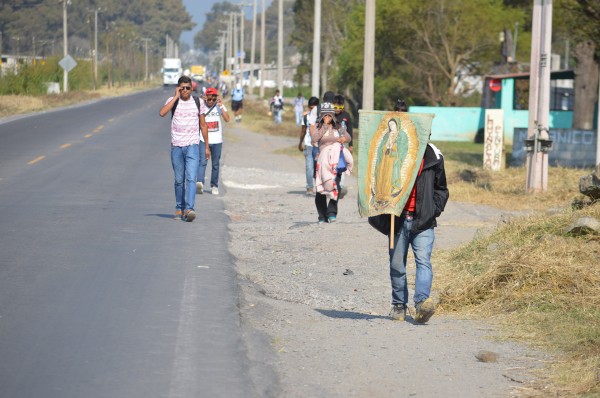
{"points": [[324, 209]]}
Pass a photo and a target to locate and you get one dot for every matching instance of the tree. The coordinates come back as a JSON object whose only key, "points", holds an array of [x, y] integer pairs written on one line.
{"points": [[580, 21], [43, 20], [425, 49], [207, 38], [335, 24]]}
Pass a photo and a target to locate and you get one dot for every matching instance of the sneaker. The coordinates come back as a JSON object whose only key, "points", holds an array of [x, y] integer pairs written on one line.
{"points": [[322, 221], [331, 218], [178, 215], [398, 312], [425, 310], [189, 215], [215, 190], [199, 188], [310, 191]]}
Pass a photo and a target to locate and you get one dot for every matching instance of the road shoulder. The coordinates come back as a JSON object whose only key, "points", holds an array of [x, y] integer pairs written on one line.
{"points": [[329, 327]]}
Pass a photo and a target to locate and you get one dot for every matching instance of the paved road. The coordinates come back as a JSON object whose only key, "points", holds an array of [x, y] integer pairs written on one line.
{"points": [[102, 293]]}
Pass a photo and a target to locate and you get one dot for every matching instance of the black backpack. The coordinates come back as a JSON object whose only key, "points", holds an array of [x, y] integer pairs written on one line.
{"points": [[196, 100]]}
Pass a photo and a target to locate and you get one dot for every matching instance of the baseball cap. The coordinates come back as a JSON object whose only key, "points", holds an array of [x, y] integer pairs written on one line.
{"points": [[211, 91]]}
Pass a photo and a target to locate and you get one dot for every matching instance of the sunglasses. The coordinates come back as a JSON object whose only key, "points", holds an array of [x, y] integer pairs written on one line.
{"points": [[184, 88], [338, 107], [211, 97]]}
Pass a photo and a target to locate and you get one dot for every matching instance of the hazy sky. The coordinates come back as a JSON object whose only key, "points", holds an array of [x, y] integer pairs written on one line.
{"points": [[198, 9]]}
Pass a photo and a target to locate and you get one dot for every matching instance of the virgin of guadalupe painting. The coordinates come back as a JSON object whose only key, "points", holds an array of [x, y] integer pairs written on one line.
{"points": [[391, 145]]}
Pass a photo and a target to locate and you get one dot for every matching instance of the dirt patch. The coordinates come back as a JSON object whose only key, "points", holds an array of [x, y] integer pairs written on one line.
{"points": [[329, 327]]}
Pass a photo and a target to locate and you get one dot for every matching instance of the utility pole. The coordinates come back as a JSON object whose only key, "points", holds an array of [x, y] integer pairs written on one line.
{"points": [[222, 46], [262, 49], [230, 43], [96, 47], [146, 40], [242, 57], [242, 54], [65, 48], [252, 48], [369, 61], [235, 46], [316, 55], [598, 129], [280, 49], [538, 141]]}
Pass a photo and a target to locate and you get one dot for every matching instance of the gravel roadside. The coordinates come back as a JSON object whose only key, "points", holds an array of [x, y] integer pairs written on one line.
{"points": [[320, 293]]}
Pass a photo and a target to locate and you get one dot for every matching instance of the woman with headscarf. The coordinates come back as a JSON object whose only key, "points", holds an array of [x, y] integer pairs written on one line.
{"points": [[330, 137]]}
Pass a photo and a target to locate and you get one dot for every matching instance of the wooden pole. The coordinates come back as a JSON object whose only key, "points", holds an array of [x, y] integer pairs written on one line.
{"points": [[369, 61]]}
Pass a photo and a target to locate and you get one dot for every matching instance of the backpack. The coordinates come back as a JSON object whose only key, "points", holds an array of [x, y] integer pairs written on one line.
{"points": [[196, 100]]}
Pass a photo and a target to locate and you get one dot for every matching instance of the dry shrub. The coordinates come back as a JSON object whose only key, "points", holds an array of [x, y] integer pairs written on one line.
{"points": [[256, 118], [20, 104], [505, 189], [543, 284]]}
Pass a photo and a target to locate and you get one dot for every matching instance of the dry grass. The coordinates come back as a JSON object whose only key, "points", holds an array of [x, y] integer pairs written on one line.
{"points": [[21, 104], [256, 118], [541, 284], [468, 182]]}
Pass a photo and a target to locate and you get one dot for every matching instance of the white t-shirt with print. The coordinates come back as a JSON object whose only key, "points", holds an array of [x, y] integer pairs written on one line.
{"points": [[215, 124], [185, 125], [312, 119], [307, 141]]}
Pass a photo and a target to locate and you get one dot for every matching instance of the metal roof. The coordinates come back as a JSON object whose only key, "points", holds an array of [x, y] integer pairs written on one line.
{"points": [[554, 75]]}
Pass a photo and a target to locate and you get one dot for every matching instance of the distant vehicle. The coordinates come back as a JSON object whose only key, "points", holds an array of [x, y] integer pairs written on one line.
{"points": [[171, 71], [197, 72]]}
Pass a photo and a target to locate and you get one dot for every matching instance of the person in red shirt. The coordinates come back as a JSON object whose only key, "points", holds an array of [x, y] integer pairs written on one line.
{"points": [[414, 228]]}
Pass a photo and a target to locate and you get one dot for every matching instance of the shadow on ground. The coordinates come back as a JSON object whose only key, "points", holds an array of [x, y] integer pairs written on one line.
{"points": [[350, 315]]}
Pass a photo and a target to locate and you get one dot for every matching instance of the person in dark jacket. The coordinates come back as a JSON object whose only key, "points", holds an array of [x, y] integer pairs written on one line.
{"points": [[414, 228]]}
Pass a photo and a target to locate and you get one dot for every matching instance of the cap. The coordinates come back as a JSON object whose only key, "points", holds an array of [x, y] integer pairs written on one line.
{"points": [[327, 109], [211, 91]]}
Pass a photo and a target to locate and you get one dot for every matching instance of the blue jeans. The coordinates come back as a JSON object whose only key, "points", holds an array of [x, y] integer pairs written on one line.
{"points": [[309, 163], [298, 117], [422, 245], [277, 115], [215, 157], [185, 165]]}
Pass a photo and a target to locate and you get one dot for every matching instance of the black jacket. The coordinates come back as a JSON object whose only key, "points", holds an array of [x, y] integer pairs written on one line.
{"points": [[345, 117], [432, 196]]}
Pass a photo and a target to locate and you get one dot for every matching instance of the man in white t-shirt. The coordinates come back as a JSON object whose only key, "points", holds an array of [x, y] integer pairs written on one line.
{"points": [[213, 113], [306, 145], [187, 120]]}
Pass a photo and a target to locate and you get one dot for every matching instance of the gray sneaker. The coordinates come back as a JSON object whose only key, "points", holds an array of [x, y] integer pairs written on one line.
{"points": [[425, 310], [398, 312], [199, 188], [189, 215]]}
